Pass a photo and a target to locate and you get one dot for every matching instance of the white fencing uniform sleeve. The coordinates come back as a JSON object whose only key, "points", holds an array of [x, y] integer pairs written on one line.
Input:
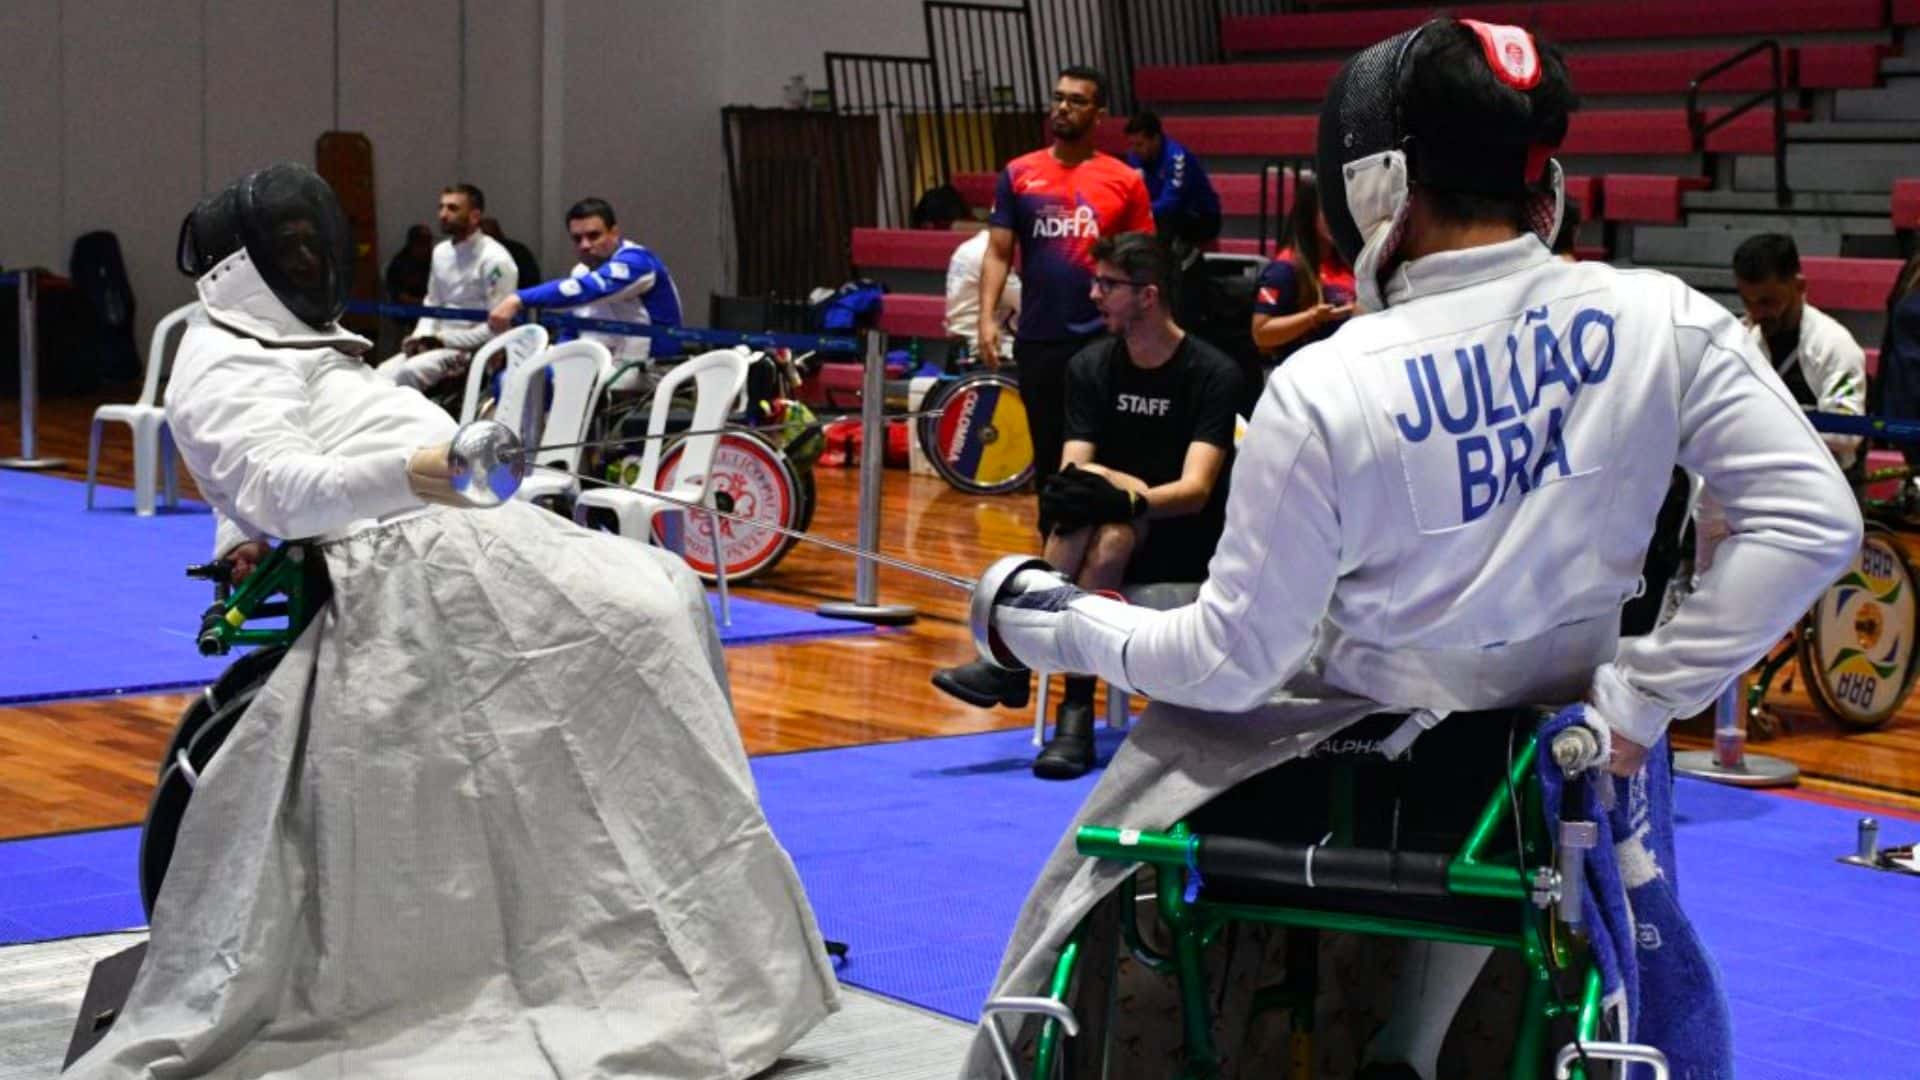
{"points": [[1268, 585], [244, 431], [1794, 527]]}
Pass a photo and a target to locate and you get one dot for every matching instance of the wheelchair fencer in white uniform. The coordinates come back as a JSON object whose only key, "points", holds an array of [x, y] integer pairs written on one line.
{"points": [[460, 830], [1442, 507]]}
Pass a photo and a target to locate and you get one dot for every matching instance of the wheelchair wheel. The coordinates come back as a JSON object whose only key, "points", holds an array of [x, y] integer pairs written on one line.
{"points": [[1856, 645], [202, 730], [980, 442], [751, 478]]}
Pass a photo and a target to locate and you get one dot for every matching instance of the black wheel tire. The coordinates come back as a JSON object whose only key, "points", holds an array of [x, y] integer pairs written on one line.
{"points": [[202, 730]]}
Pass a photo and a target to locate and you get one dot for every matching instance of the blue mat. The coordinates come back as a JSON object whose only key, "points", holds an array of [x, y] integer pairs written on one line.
{"points": [[919, 855], [97, 603]]}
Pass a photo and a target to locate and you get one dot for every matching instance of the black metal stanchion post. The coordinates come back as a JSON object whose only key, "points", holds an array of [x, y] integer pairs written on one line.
{"points": [[866, 605], [25, 289]]}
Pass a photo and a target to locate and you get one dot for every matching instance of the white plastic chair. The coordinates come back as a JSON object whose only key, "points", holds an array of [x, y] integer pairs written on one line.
{"points": [[519, 344], [1160, 596], [152, 443], [577, 367], [717, 378]]}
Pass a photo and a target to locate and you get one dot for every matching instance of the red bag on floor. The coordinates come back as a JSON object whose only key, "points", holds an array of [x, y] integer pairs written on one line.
{"points": [[843, 445]]}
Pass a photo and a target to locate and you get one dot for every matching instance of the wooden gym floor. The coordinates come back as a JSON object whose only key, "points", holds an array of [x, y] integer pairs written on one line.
{"points": [[89, 763]]}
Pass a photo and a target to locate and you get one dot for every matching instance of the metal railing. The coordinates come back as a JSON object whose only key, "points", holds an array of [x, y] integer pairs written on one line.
{"points": [[989, 93], [885, 110], [1277, 179], [1700, 127]]}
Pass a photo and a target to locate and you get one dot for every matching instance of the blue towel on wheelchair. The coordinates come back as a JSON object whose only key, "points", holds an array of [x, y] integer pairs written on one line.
{"points": [[1662, 989]]}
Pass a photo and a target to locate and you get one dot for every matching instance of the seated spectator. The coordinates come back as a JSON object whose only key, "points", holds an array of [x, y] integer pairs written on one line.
{"points": [[467, 270], [1306, 292], [523, 259], [1186, 209], [1816, 357], [1564, 240], [1141, 494], [963, 297]]}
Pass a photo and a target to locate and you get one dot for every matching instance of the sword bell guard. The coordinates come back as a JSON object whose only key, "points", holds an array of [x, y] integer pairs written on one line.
{"points": [[994, 586], [486, 462]]}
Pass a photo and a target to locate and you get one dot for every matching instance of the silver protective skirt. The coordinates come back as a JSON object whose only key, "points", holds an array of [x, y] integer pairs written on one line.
{"points": [[491, 817]]}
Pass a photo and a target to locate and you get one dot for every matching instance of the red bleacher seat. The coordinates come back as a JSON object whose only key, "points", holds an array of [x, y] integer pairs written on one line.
{"points": [[1647, 199], [913, 315], [1616, 132], [1854, 66], [1587, 20], [1906, 204], [1585, 190], [1236, 136], [1906, 12], [1304, 80], [1843, 284], [905, 249], [1657, 72]]}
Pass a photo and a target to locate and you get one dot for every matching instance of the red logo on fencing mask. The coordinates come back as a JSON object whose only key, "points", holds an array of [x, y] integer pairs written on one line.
{"points": [[1510, 52]]}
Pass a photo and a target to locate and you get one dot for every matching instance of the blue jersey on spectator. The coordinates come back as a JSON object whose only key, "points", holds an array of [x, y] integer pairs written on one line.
{"points": [[632, 286], [1177, 183]]}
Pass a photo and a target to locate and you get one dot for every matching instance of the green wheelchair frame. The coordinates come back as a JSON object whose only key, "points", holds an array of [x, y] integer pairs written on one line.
{"points": [[1474, 870], [288, 571]]}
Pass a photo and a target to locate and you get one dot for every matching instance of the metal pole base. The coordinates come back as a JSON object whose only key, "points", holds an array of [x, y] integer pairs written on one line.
{"points": [[877, 614], [32, 463], [1752, 771]]}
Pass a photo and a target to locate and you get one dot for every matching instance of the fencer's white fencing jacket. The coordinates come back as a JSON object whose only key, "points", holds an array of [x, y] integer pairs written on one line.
{"points": [[289, 434], [1445, 504], [477, 272], [1835, 369]]}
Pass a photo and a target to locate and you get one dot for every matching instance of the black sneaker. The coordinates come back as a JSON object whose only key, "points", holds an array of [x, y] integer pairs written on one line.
{"points": [[1069, 754], [984, 685]]}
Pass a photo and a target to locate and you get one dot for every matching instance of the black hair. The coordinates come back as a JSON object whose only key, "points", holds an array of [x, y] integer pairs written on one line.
{"points": [[1144, 122], [1143, 257], [1087, 74], [1451, 100], [939, 208], [1569, 225], [592, 207], [476, 199], [1766, 257]]}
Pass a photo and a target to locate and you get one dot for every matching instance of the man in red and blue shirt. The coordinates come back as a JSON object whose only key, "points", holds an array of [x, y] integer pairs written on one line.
{"points": [[1054, 204]]}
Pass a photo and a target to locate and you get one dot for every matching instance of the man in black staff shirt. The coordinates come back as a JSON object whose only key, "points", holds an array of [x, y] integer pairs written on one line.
{"points": [[1141, 495]]}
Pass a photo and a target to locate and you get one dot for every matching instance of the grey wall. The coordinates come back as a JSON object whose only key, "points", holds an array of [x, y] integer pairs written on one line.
{"points": [[118, 114]]}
